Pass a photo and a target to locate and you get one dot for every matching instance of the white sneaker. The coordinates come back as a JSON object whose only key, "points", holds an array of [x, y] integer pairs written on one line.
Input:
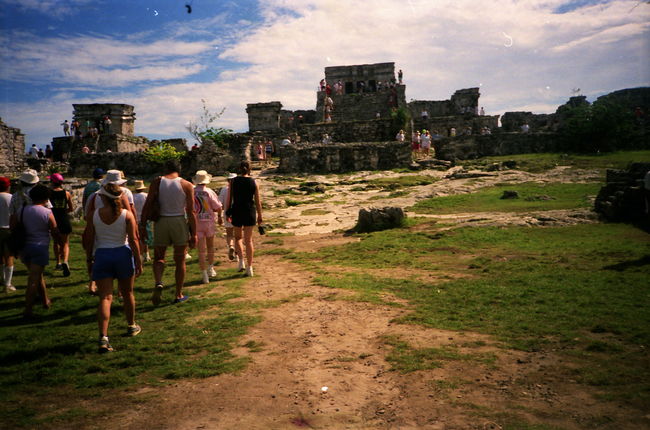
{"points": [[249, 271], [231, 253], [241, 265], [206, 278], [188, 256], [212, 272], [10, 289]]}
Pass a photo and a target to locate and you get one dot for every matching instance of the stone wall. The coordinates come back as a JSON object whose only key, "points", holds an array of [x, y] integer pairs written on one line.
{"points": [[369, 74], [344, 157], [65, 146], [512, 121], [442, 125], [622, 198], [475, 146], [12, 149], [362, 106], [376, 130], [121, 115], [461, 102], [263, 116]]}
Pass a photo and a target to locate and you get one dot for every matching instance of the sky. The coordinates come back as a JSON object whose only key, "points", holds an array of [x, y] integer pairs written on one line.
{"points": [[523, 54]]}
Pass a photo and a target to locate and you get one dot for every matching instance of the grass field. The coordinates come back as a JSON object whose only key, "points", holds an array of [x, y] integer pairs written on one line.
{"points": [[532, 197], [582, 290], [57, 352]]}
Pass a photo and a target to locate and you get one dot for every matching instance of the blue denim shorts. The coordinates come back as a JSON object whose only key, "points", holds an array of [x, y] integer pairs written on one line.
{"points": [[116, 263], [36, 254]]}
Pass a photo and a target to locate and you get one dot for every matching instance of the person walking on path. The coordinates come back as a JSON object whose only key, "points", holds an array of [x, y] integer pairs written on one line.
{"points": [[61, 208], [138, 203], [244, 207], [176, 225], [35, 253], [206, 203], [230, 234], [5, 235], [112, 245]]}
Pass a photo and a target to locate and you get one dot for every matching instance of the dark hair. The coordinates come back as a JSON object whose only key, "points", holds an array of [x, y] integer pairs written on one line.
{"points": [[171, 166], [39, 193], [244, 168], [114, 204], [5, 184]]}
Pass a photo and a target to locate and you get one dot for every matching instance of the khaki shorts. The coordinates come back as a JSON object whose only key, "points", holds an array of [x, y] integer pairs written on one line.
{"points": [[171, 230]]}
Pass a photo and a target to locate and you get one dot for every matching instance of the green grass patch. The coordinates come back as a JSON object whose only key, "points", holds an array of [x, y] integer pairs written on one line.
{"points": [[537, 163], [561, 288], [58, 349], [532, 197], [274, 251]]}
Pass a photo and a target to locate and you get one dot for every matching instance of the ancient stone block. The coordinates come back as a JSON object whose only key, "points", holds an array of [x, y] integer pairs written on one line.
{"points": [[375, 219]]}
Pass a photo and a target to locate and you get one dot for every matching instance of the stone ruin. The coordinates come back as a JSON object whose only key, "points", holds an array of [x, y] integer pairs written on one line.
{"points": [[622, 198], [12, 149]]}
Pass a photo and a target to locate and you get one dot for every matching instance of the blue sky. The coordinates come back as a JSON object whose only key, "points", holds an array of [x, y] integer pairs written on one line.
{"points": [[523, 54]]}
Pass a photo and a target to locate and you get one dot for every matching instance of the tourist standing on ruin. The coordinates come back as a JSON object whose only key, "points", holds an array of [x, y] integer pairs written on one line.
{"points": [[322, 84], [5, 235], [146, 239], [206, 203], [62, 207], [66, 127], [400, 136], [107, 124], [415, 143], [176, 226], [111, 244], [230, 235], [425, 142], [244, 209], [400, 75], [269, 148], [35, 253]]}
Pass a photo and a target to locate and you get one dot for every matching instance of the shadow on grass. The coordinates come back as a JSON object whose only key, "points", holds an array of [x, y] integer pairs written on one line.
{"points": [[624, 265]]}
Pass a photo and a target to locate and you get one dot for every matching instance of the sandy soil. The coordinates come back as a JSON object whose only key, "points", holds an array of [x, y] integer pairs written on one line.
{"points": [[313, 340]]}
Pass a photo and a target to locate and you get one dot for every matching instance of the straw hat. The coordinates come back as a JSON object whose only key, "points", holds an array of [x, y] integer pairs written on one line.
{"points": [[113, 177], [139, 185], [201, 177], [29, 176]]}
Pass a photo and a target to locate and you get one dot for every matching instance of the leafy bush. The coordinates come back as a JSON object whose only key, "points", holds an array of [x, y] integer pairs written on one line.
{"points": [[162, 152]]}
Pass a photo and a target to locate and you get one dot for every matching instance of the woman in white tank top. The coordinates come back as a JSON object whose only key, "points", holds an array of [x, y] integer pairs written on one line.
{"points": [[113, 241]]}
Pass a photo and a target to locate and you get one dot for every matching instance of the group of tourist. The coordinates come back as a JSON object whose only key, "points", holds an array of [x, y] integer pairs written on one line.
{"points": [[120, 228], [93, 128]]}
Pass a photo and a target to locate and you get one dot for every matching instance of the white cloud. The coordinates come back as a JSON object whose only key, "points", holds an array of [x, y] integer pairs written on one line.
{"points": [[442, 46]]}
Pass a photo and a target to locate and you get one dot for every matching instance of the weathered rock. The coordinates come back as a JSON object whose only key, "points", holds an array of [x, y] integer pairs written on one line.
{"points": [[375, 219], [12, 149]]}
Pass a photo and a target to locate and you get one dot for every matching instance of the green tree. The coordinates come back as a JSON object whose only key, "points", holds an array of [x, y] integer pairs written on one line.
{"points": [[601, 127]]}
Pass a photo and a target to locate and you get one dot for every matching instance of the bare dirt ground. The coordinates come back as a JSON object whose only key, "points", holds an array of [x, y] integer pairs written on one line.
{"points": [[317, 339]]}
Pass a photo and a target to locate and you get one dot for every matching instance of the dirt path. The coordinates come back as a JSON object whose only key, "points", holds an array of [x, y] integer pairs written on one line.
{"points": [[317, 339]]}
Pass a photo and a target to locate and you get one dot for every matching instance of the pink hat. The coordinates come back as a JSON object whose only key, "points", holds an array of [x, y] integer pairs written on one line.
{"points": [[56, 178]]}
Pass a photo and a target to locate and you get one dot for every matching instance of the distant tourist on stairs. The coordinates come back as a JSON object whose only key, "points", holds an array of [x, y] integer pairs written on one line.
{"points": [[66, 127]]}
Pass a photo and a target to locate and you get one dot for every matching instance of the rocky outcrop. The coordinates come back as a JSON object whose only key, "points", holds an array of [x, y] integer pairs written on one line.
{"points": [[375, 219], [622, 198]]}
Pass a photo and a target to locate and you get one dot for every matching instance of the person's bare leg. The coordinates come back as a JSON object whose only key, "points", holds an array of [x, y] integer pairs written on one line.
{"points": [[248, 242], [65, 252], [105, 292], [239, 246], [202, 252], [159, 263], [126, 288], [179, 274], [30, 292], [209, 243], [57, 250]]}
